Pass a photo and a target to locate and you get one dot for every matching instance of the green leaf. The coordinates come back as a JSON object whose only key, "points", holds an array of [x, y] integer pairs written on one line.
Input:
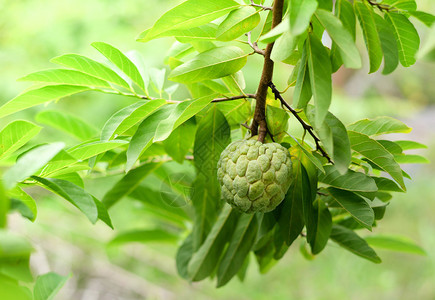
{"points": [[205, 260], [206, 32], [344, 11], [236, 112], [238, 22], [371, 37], [183, 256], [291, 219], [90, 67], [334, 137], [180, 114], [388, 44], [212, 136], [144, 135], [214, 63], [121, 61], [189, 14], [407, 38], [10, 289], [128, 117], [302, 93], [25, 200], [13, 246], [61, 161], [5, 204], [284, 47], [300, 13], [88, 150], [64, 76], [410, 159], [408, 5], [322, 229], [128, 183], [410, 145], [319, 66], [350, 181], [38, 96], [68, 123], [341, 37], [379, 125], [178, 144], [15, 135], [427, 18], [144, 236], [77, 196], [241, 242], [358, 208], [349, 240], [48, 285], [377, 154], [385, 184], [30, 162], [277, 119], [394, 243]]}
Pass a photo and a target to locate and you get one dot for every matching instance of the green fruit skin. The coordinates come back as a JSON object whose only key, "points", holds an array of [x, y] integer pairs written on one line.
{"points": [[254, 177]]}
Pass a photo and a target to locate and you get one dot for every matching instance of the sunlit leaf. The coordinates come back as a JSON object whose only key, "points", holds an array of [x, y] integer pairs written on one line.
{"points": [[15, 135], [90, 67], [30, 162], [214, 63], [300, 13], [38, 96], [238, 22], [121, 61], [48, 285], [26, 200], [129, 116], [67, 123], [379, 125], [189, 14], [64, 76], [94, 148], [180, 114]]}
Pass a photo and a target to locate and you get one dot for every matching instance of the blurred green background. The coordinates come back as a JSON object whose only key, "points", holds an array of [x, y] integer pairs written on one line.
{"points": [[32, 32]]}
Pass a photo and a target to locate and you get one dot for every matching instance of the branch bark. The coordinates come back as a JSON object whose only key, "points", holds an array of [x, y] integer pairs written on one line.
{"points": [[259, 126]]}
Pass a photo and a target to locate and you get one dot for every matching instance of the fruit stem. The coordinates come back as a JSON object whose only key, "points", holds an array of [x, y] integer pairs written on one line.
{"points": [[259, 125]]}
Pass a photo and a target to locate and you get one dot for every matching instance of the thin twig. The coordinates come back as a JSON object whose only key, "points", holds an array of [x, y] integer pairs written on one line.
{"points": [[246, 126], [234, 98], [380, 6], [254, 45], [261, 6], [307, 127]]}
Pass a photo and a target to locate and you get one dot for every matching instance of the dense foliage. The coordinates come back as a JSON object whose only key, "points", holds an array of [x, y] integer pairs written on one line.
{"points": [[343, 176]]}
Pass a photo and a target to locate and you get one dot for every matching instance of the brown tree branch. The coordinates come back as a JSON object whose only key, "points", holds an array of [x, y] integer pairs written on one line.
{"points": [[261, 6], [254, 45], [259, 125], [234, 98], [307, 127]]}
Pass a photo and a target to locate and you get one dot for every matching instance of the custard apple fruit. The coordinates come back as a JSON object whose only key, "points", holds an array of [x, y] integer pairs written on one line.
{"points": [[254, 177]]}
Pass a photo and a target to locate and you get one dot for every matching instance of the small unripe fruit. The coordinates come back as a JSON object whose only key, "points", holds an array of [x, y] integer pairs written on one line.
{"points": [[254, 177]]}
